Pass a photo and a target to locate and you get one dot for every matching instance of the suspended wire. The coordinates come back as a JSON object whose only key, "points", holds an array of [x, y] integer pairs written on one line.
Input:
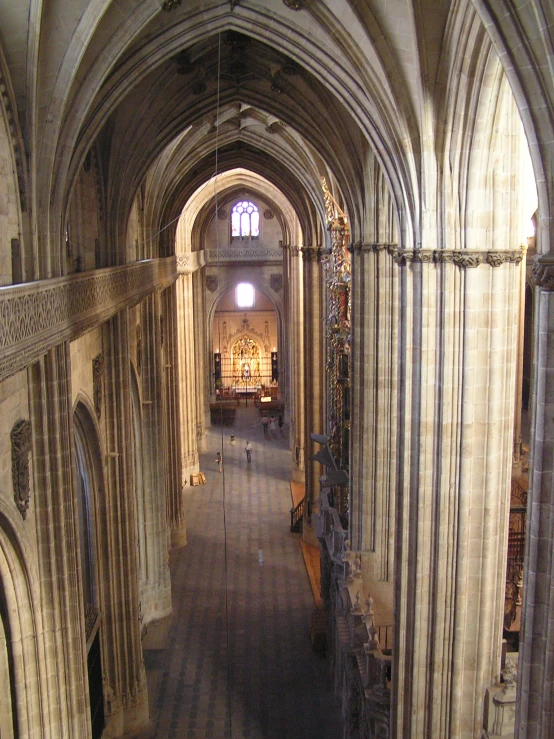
{"points": [[227, 625]]}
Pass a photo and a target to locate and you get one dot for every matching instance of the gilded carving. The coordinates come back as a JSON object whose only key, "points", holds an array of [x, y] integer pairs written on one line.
{"points": [[21, 446], [97, 378]]}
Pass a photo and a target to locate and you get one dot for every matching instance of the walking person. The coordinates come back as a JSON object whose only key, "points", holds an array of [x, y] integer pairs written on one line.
{"points": [[219, 461], [265, 424], [280, 422], [248, 450]]}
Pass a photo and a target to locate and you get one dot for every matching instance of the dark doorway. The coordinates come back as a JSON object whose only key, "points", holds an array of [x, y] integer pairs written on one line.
{"points": [[94, 664]]}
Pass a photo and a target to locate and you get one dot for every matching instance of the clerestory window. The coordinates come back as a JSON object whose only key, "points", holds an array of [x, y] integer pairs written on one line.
{"points": [[245, 220]]}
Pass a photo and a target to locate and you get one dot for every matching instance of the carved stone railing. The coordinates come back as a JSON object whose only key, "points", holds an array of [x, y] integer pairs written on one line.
{"points": [[36, 316]]}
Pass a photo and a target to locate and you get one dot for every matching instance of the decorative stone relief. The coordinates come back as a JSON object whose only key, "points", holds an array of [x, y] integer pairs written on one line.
{"points": [[246, 254], [212, 283], [461, 258], [21, 447], [222, 214], [97, 379], [294, 4], [171, 4], [268, 214], [276, 282]]}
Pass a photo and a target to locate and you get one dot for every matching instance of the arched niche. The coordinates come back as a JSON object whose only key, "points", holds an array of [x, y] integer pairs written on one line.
{"points": [[21, 702], [93, 549], [248, 323]]}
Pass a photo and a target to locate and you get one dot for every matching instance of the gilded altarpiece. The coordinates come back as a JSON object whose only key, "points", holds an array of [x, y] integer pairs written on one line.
{"points": [[338, 282]]}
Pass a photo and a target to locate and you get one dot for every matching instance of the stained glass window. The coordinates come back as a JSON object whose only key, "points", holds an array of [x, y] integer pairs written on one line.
{"points": [[245, 219]]}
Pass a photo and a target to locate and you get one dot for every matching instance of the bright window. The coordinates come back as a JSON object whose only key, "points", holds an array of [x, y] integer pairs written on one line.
{"points": [[245, 219], [245, 295]]}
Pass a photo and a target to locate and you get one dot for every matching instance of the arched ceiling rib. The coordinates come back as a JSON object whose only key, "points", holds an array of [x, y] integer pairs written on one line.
{"points": [[201, 205]]}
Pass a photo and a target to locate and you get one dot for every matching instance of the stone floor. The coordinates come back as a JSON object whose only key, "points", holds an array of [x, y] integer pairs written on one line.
{"points": [[235, 659]]}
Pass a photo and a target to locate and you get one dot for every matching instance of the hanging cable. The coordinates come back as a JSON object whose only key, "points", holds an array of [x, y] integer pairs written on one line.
{"points": [[225, 558]]}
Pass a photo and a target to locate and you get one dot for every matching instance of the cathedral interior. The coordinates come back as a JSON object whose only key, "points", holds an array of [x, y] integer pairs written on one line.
{"points": [[330, 214]]}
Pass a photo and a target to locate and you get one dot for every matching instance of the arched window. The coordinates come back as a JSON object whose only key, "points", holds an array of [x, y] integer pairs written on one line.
{"points": [[245, 220]]}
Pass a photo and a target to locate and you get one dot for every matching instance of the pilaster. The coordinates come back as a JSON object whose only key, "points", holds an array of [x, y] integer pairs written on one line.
{"points": [[374, 402], [191, 427], [156, 595], [125, 690], [175, 488], [314, 357], [458, 344], [535, 710], [295, 322], [62, 617]]}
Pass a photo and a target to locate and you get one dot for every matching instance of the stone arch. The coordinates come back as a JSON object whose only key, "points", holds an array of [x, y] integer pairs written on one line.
{"points": [[12, 258], [19, 638], [94, 550]]}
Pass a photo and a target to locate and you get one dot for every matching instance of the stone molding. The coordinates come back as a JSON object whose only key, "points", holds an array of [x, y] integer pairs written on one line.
{"points": [[460, 257], [249, 254], [543, 272], [36, 316]]}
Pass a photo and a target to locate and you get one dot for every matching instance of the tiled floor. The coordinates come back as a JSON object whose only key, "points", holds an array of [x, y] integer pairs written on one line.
{"points": [[235, 659]]}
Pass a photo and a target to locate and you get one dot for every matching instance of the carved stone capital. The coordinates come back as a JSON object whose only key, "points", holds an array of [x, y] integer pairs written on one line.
{"points": [[461, 258], [543, 272], [21, 446], [311, 253], [424, 256]]}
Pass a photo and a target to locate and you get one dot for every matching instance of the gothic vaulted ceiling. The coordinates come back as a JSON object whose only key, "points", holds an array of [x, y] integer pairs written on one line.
{"points": [[175, 89]]}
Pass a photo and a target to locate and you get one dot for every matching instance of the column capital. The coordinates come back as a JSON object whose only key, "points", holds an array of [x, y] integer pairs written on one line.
{"points": [[311, 253], [543, 271]]}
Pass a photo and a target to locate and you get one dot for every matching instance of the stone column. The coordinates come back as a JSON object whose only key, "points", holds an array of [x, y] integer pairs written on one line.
{"points": [[188, 379], [519, 375], [458, 342], [295, 325], [157, 593], [314, 371], [125, 692], [175, 487], [374, 406], [202, 358], [535, 710], [62, 617]]}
